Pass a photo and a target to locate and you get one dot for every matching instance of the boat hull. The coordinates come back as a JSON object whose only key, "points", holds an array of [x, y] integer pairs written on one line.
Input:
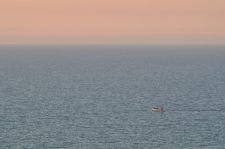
{"points": [[157, 109]]}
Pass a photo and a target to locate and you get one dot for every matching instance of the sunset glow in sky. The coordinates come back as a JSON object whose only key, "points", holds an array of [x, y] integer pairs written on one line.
{"points": [[112, 21]]}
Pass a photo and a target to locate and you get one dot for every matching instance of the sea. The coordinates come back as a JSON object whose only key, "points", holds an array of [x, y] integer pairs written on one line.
{"points": [[101, 96]]}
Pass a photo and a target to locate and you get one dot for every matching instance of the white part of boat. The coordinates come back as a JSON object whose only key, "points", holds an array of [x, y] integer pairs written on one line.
{"points": [[157, 109]]}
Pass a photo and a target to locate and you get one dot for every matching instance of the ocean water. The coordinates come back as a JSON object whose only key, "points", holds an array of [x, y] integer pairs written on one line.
{"points": [[100, 97]]}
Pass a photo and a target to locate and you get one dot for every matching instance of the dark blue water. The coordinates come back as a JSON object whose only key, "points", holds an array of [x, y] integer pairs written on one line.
{"points": [[100, 97]]}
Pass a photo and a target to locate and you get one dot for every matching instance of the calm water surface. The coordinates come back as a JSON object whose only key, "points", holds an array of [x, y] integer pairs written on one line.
{"points": [[100, 97]]}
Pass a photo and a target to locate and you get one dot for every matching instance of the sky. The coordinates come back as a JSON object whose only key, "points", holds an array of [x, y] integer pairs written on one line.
{"points": [[112, 21]]}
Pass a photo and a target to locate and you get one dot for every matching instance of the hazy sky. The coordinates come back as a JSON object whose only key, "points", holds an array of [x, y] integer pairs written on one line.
{"points": [[112, 21]]}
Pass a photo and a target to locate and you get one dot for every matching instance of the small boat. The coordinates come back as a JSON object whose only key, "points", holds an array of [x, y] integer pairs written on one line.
{"points": [[157, 109]]}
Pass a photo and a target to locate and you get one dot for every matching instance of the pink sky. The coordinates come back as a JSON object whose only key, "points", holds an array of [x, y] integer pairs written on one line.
{"points": [[112, 21]]}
